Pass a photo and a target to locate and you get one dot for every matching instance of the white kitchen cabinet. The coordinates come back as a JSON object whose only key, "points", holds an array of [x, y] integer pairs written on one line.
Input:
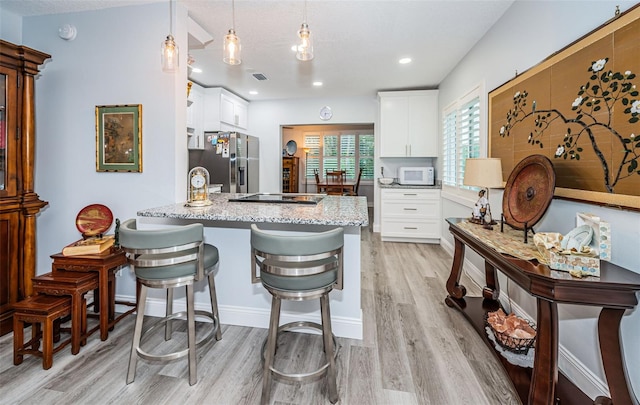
{"points": [[195, 125], [410, 215], [224, 111], [408, 123]]}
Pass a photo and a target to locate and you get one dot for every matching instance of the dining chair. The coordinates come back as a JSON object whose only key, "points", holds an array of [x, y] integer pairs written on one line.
{"points": [[335, 182], [318, 183], [357, 186]]}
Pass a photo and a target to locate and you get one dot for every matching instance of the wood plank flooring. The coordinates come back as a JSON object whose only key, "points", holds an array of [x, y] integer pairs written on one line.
{"points": [[415, 350]]}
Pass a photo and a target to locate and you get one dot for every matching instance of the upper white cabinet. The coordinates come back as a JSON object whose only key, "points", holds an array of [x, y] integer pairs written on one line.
{"points": [[409, 123], [224, 111], [195, 110]]}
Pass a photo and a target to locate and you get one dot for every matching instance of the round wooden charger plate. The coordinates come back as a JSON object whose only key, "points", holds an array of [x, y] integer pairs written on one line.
{"points": [[94, 219], [529, 191]]}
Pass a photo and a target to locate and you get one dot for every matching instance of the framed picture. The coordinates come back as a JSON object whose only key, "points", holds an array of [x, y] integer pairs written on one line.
{"points": [[119, 138]]}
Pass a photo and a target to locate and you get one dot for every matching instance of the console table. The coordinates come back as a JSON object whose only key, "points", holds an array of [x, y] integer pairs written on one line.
{"points": [[614, 291]]}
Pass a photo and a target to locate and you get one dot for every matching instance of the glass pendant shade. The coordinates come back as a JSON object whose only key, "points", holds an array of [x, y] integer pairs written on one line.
{"points": [[170, 55], [305, 47], [232, 49]]}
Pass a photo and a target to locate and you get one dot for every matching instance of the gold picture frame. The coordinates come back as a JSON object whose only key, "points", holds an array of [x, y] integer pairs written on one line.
{"points": [[580, 107], [119, 138]]}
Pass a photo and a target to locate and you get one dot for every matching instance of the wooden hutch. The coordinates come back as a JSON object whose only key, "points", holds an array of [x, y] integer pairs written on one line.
{"points": [[290, 168], [19, 204]]}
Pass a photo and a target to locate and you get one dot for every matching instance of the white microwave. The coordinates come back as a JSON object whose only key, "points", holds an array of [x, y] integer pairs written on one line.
{"points": [[423, 176]]}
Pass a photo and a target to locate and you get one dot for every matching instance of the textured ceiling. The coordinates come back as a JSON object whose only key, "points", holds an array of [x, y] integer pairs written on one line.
{"points": [[357, 43]]}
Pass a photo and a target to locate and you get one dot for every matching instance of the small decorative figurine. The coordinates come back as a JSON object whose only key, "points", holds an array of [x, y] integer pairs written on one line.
{"points": [[117, 233], [481, 211]]}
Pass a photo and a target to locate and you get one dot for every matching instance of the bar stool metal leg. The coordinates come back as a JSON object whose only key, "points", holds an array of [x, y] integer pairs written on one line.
{"points": [[191, 332], [329, 347], [214, 303], [168, 329], [133, 356], [271, 348]]}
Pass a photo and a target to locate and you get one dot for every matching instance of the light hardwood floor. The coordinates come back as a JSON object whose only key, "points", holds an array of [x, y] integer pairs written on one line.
{"points": [[415, 350]]}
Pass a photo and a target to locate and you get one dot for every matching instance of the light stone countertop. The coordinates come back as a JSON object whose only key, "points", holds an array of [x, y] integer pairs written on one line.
{"points": [[332, 210], [396, 185]]}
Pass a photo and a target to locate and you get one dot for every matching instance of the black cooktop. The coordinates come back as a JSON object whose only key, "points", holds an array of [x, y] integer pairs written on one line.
{"points": [[280, 198]]}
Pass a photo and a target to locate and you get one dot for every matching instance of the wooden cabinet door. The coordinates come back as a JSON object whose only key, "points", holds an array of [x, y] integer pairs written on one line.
{"points": [[227, 110], [9, 268], [423, 125], [394, 126], [8, 138]]}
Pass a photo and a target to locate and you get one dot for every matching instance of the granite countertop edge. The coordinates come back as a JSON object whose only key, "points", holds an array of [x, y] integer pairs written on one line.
{"points": [[332, 210]]}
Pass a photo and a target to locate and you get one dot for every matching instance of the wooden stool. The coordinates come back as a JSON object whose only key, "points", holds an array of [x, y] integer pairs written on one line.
{"points": [[38, 309], [75, 285]]}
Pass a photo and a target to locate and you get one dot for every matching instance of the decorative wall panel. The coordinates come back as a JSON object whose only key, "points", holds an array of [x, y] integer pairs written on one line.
{"points": [[581, 108]]}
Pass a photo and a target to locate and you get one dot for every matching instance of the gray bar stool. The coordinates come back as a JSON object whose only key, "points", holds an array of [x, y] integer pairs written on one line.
{"points": [[170, 258], [298, 268]]}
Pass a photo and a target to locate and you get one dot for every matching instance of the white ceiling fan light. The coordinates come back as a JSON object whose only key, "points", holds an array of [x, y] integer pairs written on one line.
{"points": [[304, 51], [232, 48]]}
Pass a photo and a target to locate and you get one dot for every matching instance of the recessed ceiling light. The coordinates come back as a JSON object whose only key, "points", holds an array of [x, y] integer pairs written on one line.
{"points": [[253, 92], [404, 61], [196, 70], [317, 84]]}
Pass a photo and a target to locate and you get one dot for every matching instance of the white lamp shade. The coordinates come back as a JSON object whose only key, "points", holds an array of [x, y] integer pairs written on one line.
{"points": [[483, 172]]}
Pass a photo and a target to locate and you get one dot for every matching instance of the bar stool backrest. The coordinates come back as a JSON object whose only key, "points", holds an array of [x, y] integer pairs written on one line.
{"points": [[163, 247], [298, 255]]}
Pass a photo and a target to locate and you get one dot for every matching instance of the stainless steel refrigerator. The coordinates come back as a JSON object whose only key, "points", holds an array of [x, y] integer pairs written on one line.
{"points": [[232, 160]]}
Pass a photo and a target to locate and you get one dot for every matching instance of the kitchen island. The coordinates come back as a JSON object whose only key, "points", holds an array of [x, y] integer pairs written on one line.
{"points": [[227, 226]]}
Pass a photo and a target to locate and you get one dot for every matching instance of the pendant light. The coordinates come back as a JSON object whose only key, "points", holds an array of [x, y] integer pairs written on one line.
{"points": [[305, 47], [232, 47], [170, 57]]}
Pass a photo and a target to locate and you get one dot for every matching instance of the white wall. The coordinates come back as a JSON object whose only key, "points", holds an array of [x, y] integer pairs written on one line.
{"points": [[526, 34], [10, 27], [115, 59]]}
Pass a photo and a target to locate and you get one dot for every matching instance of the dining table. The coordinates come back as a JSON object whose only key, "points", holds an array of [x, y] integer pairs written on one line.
{"points": [[348, 187]]}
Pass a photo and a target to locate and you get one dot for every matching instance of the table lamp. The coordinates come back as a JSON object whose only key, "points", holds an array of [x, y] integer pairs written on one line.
{"points": [[486, 173]]}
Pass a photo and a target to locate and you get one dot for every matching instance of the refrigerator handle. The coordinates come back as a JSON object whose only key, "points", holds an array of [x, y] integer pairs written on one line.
{"points": [[241, 175]]}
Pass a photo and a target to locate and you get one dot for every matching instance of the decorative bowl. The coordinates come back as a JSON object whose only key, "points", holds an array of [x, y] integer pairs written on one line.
{"points": [[385, 180], [511, 343]]}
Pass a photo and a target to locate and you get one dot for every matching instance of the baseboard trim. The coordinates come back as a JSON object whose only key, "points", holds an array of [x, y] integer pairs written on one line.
{"points": [[574, 370], [253, 317]]}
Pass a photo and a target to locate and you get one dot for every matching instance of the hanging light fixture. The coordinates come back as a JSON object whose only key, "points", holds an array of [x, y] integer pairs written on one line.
{"points": [[305, 47], [232, 47], [170, 57]]}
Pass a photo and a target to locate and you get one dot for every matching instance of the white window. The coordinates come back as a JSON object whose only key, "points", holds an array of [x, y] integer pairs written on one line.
{"points": [[461, 130], [347, 151]]}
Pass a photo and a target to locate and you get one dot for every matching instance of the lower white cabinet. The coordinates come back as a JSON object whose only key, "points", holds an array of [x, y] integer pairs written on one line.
{"points": [[410, 215]]}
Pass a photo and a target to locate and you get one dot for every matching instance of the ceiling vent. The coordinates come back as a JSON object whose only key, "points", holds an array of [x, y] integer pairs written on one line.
{"points": [[259, 76]]}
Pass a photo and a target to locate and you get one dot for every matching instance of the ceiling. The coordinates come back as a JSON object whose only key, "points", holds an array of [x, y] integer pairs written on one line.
{"points": [[357, 44]]}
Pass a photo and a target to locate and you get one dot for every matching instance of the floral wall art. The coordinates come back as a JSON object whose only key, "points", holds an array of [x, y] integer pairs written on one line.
{"points": [[581, 108]]}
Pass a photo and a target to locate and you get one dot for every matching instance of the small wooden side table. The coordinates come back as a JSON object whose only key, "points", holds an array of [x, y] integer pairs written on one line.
{"points": [[75, 285], [105, 264]]}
